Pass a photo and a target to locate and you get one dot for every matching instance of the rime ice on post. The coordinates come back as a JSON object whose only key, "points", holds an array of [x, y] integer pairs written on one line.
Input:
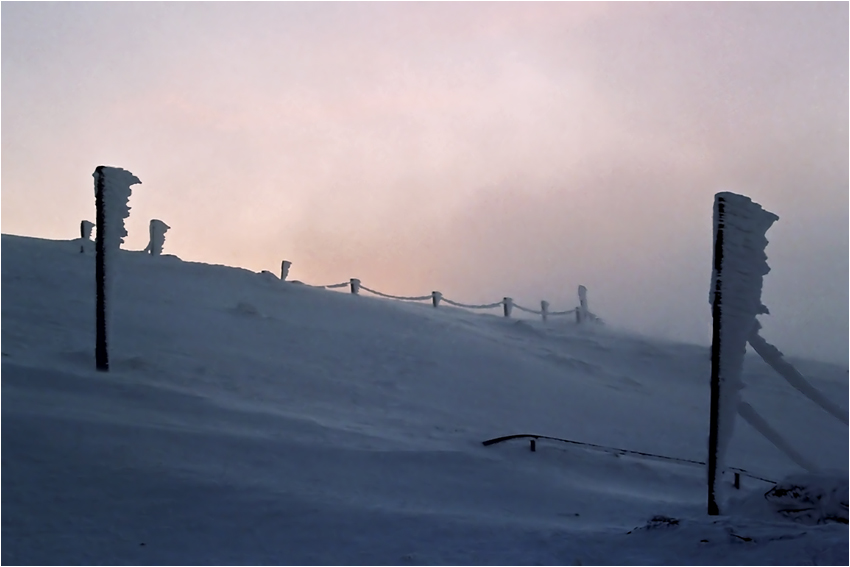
{"points": [[85, 234], [739, 266], [581, 312], [85, 229], [284, 269], [112, 193], [507, 305], [157, 237]]}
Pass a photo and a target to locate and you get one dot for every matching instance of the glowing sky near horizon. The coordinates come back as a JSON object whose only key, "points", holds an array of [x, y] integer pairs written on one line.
{"points": [[483, 150]]}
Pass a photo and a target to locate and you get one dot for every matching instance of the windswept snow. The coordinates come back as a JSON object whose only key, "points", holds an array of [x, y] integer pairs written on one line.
{"points": [[246, 420]]}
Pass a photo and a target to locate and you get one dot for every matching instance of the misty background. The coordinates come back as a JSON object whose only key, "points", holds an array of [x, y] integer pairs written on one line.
{"points": [[483, 150]]}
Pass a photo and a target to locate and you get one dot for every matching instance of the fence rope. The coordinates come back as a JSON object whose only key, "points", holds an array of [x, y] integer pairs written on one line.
{"points": [[488, 306], [773, 357], [615, 449], [430, 297], [388, 296], [343, 284], [532, 311]]}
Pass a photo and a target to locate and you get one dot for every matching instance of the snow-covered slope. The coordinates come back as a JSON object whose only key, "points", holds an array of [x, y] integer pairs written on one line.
{"points": [[247, 420]]}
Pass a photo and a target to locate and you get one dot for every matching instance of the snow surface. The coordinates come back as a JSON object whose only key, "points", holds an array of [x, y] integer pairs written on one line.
{"points": [[246, 420]]}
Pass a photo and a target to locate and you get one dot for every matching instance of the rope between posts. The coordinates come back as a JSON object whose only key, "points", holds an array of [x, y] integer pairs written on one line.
{"points": [[488, 306], [446, 300], [532, 311], [388, 296]]}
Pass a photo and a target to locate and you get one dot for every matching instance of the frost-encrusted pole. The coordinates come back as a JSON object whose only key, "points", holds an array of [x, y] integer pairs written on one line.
{"points": [[157, 237], [284, 269], [112, 192], [85, 229], [581, 312], [739, 266], [85, 234]]}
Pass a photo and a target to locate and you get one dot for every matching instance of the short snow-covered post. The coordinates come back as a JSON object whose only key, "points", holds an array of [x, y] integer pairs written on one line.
{"points": [[85, 234], [436, 296], [735, 297], [508, 305], [284, 269], [112, 192], [157, 232], [85, 229], [581, 312], [355, 286], [544, 310]]}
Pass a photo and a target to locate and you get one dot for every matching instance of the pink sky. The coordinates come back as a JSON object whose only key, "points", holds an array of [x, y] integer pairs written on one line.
{"points": [[479, 149]]}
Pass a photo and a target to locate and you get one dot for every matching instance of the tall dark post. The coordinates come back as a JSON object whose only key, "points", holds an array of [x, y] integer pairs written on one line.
{"points": [[713, 509], [101, 355]]}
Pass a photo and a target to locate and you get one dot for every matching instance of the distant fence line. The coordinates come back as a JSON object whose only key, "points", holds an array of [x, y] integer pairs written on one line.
{"points": [[582, 313]]}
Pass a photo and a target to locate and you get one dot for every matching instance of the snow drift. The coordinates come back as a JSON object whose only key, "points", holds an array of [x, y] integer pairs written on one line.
{"points": [[248, 420]]}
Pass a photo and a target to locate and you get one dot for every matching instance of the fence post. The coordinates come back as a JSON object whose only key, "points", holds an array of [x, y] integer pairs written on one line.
{"points": [[581, 312], [355, 286], [101, 352], [436, 296], [111, 194], [157, 230], [544, 309], [508, 305], [284, 269], [85, 234], [735, 297], [85, 229]]}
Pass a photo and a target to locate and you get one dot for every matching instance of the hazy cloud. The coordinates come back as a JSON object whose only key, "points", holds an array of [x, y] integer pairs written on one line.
{"points": [[480, 149]]}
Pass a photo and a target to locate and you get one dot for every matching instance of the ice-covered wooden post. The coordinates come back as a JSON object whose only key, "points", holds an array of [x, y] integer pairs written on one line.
{"points": [[740, 263], [112, 193], [544, 309], [355, 286], [85, 234], [508, 305], [85, 229], [581, 312], [284, 269], [436, 296], [157, 232]]}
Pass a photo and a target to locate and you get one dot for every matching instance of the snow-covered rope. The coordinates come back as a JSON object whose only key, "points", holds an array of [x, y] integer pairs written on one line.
{"points": [[437, 297], [758, 423], [488, 306], [771, 355], [532, 311], [388, 296]]}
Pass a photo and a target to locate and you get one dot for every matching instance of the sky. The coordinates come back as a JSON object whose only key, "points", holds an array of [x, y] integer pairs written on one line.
{"points": [[480, 149]]}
